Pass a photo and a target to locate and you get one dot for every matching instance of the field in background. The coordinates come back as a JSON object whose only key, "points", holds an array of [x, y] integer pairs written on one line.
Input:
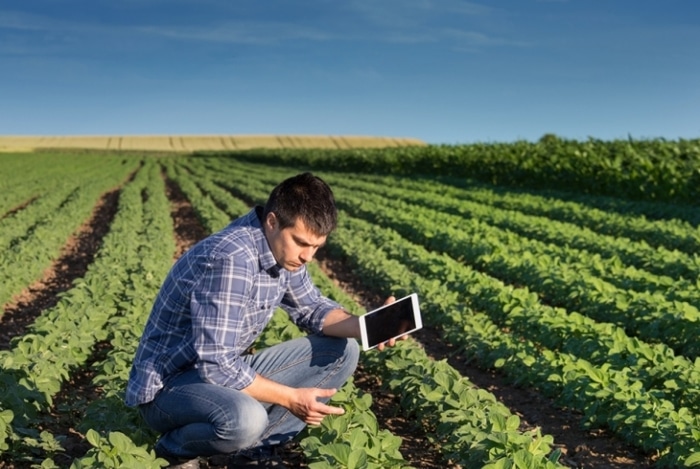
{"points": [[189, 143], [567, 270]]}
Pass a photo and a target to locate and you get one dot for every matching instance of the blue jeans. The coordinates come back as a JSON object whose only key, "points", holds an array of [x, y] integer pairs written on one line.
{"points": [[203, 419]]}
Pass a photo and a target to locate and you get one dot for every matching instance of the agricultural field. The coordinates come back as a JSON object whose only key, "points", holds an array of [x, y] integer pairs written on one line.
{"points": [[560, 329], [190, 143]]}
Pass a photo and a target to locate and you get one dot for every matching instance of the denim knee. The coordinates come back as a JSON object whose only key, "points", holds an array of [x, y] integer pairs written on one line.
{"points": [[352, 355], [241, 430], [348, 355]]}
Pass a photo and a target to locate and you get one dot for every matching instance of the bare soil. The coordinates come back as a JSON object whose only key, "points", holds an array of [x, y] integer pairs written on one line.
{"points": [[188, 229], [581, 448], [77, 254], [19, 207]]}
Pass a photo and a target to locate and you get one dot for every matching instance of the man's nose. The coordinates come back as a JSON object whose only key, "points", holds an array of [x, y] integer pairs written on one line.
{"points": [[307, 254]]}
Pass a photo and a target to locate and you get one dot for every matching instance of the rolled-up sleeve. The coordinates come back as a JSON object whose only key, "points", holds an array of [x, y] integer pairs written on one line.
{"points": [[305, 304], [219, 327]]}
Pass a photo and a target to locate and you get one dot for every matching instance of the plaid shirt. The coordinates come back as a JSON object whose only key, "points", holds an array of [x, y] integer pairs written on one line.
{"points": [[214, 303]]}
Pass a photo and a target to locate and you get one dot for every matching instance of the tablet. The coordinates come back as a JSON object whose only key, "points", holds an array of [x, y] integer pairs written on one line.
{"points": [[390, 321]]}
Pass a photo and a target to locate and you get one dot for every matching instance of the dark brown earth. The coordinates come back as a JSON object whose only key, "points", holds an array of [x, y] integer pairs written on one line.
{"points": [[188, 229], [581, 448], [77, 254]]}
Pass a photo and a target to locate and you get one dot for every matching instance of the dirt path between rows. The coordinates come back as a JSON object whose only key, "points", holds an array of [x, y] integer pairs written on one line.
{"points": [[75, 258]]}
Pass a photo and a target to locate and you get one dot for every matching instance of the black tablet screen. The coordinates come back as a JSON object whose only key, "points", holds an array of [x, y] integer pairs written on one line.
{"points": [[391, 321]]}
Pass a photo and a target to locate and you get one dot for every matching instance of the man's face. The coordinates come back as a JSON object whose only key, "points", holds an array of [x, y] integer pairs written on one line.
{"points": [[293, 246]]}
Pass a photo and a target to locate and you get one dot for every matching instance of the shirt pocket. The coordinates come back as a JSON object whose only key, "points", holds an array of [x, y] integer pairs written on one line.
{"points": [[257, 314]]}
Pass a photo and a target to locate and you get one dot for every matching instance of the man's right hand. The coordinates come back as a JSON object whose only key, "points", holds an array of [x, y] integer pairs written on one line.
{"points": [[305, 405], [302, 402]]}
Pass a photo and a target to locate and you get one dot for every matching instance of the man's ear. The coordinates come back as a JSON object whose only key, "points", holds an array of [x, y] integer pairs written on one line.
{"points": [[271, 220]]}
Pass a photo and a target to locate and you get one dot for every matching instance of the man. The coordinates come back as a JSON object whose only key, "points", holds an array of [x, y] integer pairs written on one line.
{"points": [[192, 378]]}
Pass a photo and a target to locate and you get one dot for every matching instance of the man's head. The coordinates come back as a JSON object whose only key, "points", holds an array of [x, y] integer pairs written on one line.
{"points": [[307, 197], [300, 213]]}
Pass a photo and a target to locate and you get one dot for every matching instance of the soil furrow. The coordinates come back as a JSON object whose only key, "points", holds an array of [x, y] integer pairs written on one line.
{"points": [[73, 262]]}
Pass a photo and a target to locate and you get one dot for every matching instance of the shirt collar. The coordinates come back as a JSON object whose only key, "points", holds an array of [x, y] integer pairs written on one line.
{"points": [[266, 258]]}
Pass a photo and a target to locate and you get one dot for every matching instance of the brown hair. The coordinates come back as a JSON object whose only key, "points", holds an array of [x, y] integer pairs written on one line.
{"points": [[307, 197]]}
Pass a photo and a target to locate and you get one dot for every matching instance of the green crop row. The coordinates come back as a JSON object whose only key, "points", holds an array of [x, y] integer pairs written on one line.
{"points": [[63, 338], [49, 195], [611, 260], [579, 380], [658, 224], [605, 396], [27, 176], [565, 275], [674, 378], [15, 228], [546, 232], [210, 215], [636, 169], [116, 432], [35, 251], [599, 342], [469, 426], [513, 259]]}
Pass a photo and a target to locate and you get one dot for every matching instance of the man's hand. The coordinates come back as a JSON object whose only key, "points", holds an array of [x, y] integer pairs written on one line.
{"points": [[390, 342], [302, 402], [305, 405]]}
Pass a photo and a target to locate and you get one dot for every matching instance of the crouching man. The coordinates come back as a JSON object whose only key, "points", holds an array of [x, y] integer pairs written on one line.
{"points": [[193, 380]]}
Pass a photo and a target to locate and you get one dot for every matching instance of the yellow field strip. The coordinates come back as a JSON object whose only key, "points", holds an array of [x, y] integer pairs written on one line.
{"points": [[189, 143]]}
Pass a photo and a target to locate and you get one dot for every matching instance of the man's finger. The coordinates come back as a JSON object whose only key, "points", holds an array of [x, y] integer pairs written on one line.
{"points": [[325, 409], [329, 409], [326, 392]]}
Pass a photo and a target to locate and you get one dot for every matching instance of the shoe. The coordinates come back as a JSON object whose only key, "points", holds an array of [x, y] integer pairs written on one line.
{"points": [[265, 457], [175, 462]]}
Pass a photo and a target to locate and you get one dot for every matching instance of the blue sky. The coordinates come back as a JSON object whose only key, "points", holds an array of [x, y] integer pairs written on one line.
{"points": [[445, 71]]}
